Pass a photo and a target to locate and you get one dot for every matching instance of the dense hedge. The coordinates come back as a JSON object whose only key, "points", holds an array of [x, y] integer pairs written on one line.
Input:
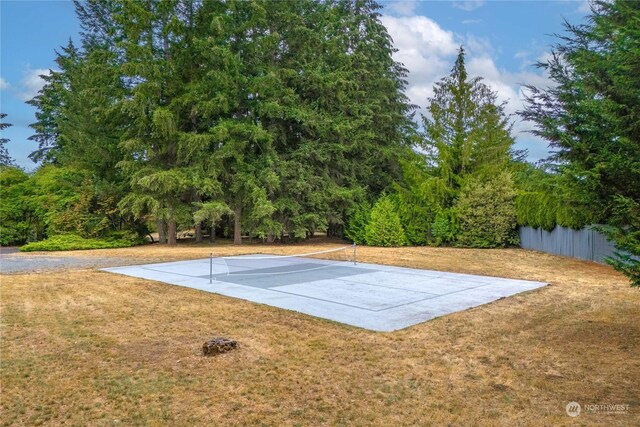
{"points": [[483, 216], [545, 210], [70, 242]]}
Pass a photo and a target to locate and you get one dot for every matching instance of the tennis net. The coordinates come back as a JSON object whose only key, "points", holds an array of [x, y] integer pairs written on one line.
{"points": [[254, 265]]}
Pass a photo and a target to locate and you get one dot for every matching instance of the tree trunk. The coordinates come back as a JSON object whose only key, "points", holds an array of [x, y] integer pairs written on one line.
{"points": [[271, 237], [162, 236], [172, 238], [237, 219], [212, 237], [198, 233]]}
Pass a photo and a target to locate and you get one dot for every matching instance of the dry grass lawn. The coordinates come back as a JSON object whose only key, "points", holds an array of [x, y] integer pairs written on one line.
{"points": [[84, 347]]}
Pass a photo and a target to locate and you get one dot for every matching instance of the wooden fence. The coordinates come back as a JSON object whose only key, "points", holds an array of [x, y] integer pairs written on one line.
{"points": [[584, 244]]}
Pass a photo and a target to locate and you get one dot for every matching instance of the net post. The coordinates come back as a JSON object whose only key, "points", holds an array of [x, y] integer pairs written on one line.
{"points": [[211, 268], [354, 254]]}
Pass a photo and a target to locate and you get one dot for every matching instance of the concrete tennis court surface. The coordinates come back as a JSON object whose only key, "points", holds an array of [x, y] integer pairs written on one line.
{"points": [[370, 296]]}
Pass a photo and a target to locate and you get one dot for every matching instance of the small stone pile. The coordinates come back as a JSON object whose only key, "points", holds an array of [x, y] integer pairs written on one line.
{"points": [[217, 346]]}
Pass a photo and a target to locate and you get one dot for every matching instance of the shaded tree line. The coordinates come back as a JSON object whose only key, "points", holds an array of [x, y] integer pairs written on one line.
{"points": [[246, 119], [236, 116], [458, 185], [470, 188], [591, 118]]}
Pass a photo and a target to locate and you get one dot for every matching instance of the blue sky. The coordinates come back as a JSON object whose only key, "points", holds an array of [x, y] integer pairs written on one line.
{"points": [[503, 39]]}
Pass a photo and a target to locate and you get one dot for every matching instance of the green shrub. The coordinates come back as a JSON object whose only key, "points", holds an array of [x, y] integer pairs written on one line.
{"points": [[14, 219], [416, 227], [70, 242], [384, 228], [445, 227], [418, 197], [487, 213], [416, 216], [537, 210], [357, 225], [547, 209]]}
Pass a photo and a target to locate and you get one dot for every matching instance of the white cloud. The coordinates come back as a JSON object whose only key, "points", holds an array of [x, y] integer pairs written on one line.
{"points": [[4, 84], [585, 7], [544, 57], [422, 32], [428, 51], [423, 47], [468, 5], [500, 81], [479, 45], [510, 88], [403, 8], [31, 83], [521, 54]]}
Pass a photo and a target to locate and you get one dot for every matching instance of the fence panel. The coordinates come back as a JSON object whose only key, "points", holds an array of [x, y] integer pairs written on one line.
{"points": [[584, 244]]}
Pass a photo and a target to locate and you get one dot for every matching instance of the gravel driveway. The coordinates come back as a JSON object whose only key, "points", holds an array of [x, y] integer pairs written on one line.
{"points": [[13, 261]]}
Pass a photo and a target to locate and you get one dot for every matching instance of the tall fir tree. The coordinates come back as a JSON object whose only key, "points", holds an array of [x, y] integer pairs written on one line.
{"points": [[153, 34], [341, 117], [283, 116], [590, 117], [467, 136], [5, 158], [50, 103], [467, 132]]}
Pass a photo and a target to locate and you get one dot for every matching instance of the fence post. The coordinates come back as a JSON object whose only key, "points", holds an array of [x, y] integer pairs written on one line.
{"points": [[211, 268]]}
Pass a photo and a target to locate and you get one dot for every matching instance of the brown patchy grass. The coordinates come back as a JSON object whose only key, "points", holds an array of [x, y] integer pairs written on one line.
{"points": [[84, 347]]}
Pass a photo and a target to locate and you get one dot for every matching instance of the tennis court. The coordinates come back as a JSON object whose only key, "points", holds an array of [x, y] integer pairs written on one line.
{"points": [[333, 285]]}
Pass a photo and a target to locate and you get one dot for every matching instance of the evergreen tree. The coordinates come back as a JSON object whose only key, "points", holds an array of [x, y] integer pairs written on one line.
{"points": [[419, 197], [93, 123], [590, 117], [384, 228], [5, 159], [80, 125], [153, 33], [288, 115], [466, 136], [487, 213], [468, 132], [50, 103], [338, 115], [357, 227], [248, 153]]}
